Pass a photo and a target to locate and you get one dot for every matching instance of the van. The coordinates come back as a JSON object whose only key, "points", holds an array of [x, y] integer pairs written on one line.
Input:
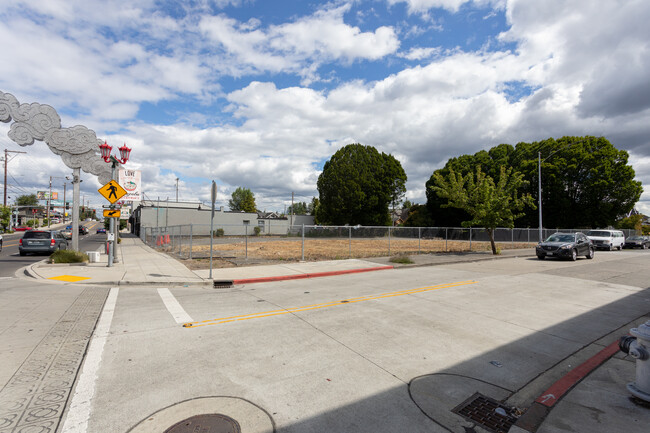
{"points": [[607, 239]]}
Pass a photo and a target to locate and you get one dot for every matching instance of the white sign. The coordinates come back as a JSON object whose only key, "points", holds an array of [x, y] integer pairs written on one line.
{"points": [[130, 180], [126, 213], [110, 237]]}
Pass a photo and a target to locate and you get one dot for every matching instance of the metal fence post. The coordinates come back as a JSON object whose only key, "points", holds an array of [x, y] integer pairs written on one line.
{"points": [[246, 228], [350, 242], [419, 237], [528, 231], [470, 239], [191, 226], [446, 238], [512, 237], [303, 242], [180, 241], [388, 241]]}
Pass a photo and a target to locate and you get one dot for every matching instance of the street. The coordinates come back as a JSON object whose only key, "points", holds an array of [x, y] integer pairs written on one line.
{"points": [[339, 354], [11, 261]]}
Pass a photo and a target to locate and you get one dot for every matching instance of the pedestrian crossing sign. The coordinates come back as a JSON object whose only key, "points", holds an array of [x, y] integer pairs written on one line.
{"points": [[112, 191]]}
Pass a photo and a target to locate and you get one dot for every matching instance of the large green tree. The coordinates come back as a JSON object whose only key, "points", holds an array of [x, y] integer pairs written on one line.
{"points": [[489, 204], [5, 216], [357, 186], [586, 181], [27, 200], [242, 199]]}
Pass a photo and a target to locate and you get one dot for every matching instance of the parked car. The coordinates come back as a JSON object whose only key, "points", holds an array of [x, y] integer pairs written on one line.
{"points": [[0, 242], [637, 242], [40, 241], [101, 230], [607, 239], [566, 245], [22, 228], [67, 233]]}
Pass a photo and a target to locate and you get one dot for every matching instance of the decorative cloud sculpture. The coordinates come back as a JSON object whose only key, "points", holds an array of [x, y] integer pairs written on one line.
{"points": [[78, 146]]}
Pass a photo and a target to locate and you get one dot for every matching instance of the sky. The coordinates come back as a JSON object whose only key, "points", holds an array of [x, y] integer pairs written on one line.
{"points": [[261, 93]]}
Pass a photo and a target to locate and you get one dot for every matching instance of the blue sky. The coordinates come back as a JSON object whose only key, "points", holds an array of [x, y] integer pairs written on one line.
{"points": [[260, 93]]}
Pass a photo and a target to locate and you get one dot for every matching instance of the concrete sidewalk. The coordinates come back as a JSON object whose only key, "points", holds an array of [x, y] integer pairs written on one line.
{"points": [[597, 373]]}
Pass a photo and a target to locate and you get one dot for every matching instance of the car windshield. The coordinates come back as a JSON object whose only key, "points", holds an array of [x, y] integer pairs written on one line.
{"points": [[561, 237], [635, 238], [599, 233], [37, 235]]}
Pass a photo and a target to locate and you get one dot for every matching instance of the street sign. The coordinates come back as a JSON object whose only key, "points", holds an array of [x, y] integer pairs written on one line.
{"points": [[112, 206], [112, 213], [112, 191]]}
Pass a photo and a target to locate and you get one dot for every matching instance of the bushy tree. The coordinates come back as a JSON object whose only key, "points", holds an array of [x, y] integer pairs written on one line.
{"points": [[357, 186], [418, 217], [242, 200], [5, 216], [27, 200], [586, 181], [298, 208], [489, 204]]}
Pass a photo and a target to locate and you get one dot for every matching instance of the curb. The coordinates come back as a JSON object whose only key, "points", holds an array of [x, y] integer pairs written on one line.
{"points": [[537, 412], [311, 275]]}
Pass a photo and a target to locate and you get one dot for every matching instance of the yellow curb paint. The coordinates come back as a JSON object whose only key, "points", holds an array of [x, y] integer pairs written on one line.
{"points": [[69, 278], [270, 313]]}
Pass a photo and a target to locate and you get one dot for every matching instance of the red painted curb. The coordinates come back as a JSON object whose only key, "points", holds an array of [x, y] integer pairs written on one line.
{"points": [[312, 275], [559, 388]]}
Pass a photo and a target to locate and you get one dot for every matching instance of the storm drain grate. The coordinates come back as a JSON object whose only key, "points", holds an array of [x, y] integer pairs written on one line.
{"points": [[209, 423], [221, 284], [485, 411]]}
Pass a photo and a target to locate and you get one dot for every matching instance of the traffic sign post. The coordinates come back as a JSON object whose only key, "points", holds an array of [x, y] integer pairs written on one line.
{"points": [[112, 192]]}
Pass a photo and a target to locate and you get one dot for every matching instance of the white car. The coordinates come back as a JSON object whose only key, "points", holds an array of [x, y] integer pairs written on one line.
{"points": [[607, 239]]}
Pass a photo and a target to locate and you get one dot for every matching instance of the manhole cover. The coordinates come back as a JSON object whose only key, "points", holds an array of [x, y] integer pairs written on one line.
{"points": [[210, 423], [490, 414]]}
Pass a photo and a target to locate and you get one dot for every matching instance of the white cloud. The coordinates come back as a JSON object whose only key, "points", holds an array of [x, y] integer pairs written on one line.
{"points": [[450, 5], [420, 53]]}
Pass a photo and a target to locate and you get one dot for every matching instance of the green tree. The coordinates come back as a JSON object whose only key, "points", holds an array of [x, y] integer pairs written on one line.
{"points": [[586, 181], [490, 205], [633, 222], [418, 217], [242, 200], [5, 216], [407, 204], [357, 186], [27, 200], [298, 209]]}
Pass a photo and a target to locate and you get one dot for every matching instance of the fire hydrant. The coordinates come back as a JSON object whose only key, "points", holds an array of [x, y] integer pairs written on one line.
{"points": [[639, 347]]}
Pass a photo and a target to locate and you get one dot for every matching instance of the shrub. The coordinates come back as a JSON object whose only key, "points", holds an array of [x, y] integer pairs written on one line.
{"points": [[68, 256], [31, 223], [401, 259], [218, 233], [256, 230]]}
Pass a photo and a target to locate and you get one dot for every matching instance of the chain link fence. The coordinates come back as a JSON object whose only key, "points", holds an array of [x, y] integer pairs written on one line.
{"points": [[243, 242]]}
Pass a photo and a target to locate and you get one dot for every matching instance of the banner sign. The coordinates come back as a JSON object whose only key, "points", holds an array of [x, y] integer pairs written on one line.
{"points": [[130, 180], [44, 195]]}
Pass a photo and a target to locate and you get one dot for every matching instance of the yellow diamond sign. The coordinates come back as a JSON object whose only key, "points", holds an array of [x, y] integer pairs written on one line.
{"points": [[112, 191]]}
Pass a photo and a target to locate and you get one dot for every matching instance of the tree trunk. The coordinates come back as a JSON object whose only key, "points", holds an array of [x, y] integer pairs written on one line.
{"points": [[491, 235]]}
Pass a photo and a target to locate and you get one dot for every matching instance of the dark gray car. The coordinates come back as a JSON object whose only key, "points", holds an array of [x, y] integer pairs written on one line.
{"points": [[40, 241], [566, 245], [637, 242]]}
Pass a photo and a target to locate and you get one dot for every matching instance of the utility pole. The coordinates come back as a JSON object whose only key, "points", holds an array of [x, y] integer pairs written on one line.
{"points": [[65, 184], [49, 200], [6, 161], [291, 210]]}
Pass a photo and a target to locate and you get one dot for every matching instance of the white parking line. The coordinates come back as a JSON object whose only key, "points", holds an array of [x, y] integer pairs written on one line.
{"points": [[79, 413], [177, 312]]}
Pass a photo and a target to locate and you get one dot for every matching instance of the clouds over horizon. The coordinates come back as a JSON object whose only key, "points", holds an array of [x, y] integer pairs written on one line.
{"points": [[285, 94]]}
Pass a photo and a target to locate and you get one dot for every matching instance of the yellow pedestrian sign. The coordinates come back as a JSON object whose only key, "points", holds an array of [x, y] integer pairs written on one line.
{"points": [[112, 191], [112, 213]]}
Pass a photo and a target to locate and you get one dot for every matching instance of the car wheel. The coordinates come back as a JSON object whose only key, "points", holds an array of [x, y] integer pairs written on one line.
{"points": [[541, 257], [590, 255], [618, 248], [645, 247], [574, 255], [611, 248]]}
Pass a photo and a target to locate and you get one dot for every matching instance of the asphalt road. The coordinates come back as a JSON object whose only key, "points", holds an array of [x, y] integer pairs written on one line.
{"points": [[338, 354], [11, 261]]}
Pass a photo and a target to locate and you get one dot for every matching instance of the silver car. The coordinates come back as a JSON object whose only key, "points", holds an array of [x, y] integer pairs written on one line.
{"points": [[40, 241]]}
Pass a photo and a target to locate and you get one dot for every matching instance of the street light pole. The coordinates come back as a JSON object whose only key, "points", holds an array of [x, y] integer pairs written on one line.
{"points": [[49, 200]]}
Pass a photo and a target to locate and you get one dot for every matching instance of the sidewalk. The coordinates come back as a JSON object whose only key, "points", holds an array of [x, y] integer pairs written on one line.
{"points": [[592, 382]]}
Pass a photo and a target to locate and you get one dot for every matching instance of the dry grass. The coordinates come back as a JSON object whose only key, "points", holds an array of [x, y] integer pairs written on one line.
{"points": [[331, 249]]}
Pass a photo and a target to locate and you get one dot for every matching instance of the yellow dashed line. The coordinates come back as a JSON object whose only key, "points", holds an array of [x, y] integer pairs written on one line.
{"points": [[270, 313]]}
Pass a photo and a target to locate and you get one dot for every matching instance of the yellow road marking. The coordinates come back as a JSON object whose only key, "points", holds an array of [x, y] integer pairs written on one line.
{"points": [[69, 278], [262, 314]]}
